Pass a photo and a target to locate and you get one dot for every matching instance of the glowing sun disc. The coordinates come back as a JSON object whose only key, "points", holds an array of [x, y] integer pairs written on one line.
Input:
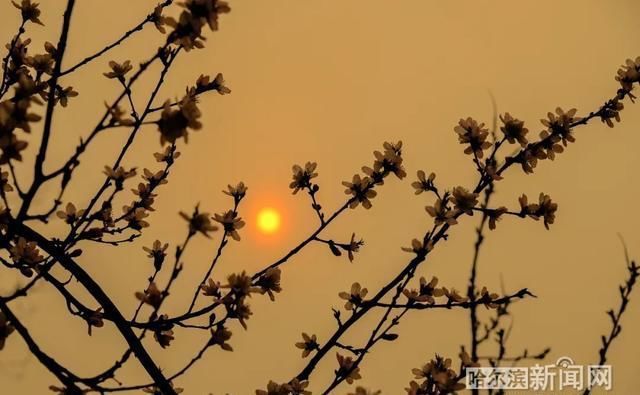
{"points": [[268, 220]]}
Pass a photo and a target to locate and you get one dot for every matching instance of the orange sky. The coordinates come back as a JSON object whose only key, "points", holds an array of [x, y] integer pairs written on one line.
{"points": [[329, 82]]}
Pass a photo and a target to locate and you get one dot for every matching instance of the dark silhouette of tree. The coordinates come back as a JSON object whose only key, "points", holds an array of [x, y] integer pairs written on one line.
{"points": [[31, 92]]}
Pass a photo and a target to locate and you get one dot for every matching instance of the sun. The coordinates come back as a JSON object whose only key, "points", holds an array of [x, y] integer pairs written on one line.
{"points": [[268, 220]]}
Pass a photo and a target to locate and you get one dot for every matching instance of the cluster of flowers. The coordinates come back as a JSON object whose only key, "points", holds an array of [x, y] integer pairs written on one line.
{"points": [[26, 256], [361, 188], [627, 75], [385, 163], [294, 387], [175, 121], [475, 136], [450, 205], [235, 301], [187, 29], [428, 292], [134, 214], [200, 222], [297, 387], [437, 377], [176, 118], [553, 139], [239, 286], [15, 115], [26, 72], [346, 369]]}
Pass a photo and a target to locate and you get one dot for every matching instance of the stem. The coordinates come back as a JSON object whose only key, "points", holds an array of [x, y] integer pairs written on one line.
{"points": [[300, 246], [119, 41], [51, 103], [4, 86], [471, 290], [66, 377], [110, 309], [126, 146], [223, 243]]}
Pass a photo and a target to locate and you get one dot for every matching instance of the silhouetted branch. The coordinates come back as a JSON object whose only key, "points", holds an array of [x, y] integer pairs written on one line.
{"points": [[471, 290], [4, 84], [65, 376], [150, 18], [48, 119], [31, 253], [616, 316], [464, 305], [97, 292]]}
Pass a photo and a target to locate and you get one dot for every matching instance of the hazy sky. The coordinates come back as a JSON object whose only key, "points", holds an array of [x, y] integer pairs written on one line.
{"points": [[329, 82]]}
